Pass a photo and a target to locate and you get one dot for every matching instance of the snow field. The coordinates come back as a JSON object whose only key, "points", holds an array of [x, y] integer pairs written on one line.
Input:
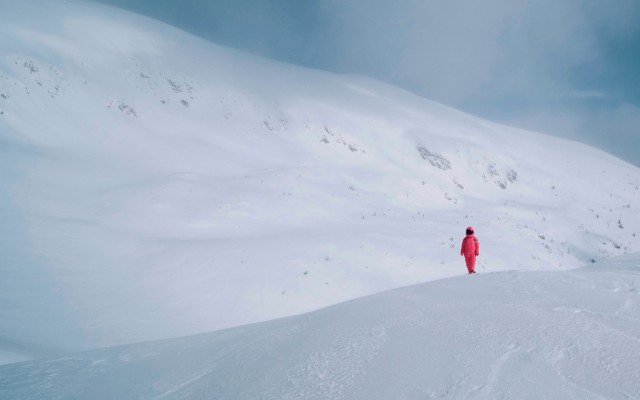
{"points": [[528, 335], [155, 185]]}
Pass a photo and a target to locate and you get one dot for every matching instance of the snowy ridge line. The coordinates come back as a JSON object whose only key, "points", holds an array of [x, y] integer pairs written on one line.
{"points": [[539, 334]]}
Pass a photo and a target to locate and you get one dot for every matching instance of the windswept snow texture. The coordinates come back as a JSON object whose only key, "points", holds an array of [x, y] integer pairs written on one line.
{"points": [[504, 335], [155, 185]]}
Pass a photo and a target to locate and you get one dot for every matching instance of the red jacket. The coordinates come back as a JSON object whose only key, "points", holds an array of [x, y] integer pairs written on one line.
{"points": [[470, 246]]}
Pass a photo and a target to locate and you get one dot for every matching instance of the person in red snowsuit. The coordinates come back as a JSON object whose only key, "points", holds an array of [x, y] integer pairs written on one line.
{"points": [[470, 250]]}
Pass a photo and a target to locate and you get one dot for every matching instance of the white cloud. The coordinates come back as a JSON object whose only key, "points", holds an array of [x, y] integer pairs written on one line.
{"points": [[533, 64], [615, 130]]}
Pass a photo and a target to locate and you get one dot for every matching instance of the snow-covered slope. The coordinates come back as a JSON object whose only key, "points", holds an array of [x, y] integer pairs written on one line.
{"points": [[505, 335], [155, 185]]}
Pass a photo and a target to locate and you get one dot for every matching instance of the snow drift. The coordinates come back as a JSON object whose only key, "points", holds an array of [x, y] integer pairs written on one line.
{"points": [[504, 335], [156, 185]]}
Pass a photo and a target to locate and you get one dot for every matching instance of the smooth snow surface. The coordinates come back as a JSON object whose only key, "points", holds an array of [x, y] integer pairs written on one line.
{"points": [[154, 185], [504, 335]]}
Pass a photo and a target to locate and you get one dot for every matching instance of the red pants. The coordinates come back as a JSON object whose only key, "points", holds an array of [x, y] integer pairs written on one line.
{"points": [[471, 262]]}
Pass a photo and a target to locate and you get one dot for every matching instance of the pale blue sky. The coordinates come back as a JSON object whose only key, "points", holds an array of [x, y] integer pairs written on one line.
{"points": [[565, 67]]}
